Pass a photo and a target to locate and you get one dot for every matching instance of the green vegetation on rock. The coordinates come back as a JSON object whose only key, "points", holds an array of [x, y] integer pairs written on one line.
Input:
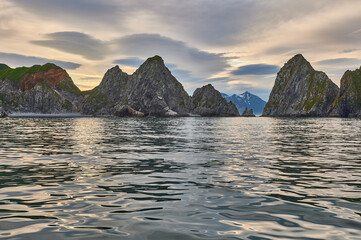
{"points": [[69, 86], [3, 66], [156, 57], [15, 74]]}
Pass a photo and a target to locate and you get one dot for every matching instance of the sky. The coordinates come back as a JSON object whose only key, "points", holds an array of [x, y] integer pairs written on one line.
{"points": [[236, 45]]}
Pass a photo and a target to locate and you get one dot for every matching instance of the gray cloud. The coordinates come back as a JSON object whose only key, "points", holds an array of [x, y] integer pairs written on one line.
{"points": [[189, 58], [256, 69], [79, 13], [339, 62], [21, 60], [132, 62], [227, 22], [76, 43], [187, 63], [349, 50]]}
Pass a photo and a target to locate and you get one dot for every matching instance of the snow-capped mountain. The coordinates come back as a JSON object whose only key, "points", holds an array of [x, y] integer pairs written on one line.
{"points": [[248, 100]]}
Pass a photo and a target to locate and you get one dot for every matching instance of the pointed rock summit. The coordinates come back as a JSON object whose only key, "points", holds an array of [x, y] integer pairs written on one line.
{"points": [[248, 113], [348, 101], [299, 90], [151, 90], [208, 102]]}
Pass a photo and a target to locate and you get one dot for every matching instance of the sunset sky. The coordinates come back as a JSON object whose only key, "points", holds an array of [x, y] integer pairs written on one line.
{"points": [[235, 45]]}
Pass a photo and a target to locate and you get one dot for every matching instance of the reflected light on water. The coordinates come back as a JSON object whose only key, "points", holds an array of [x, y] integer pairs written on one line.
{"points": [[180, 178]]}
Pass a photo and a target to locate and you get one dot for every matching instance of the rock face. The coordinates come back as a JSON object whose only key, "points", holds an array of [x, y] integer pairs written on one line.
{"points": [[208, 102], [38, 89], [246, 100], [248, 113], [348, 101], [299, 91], [152, 91]]}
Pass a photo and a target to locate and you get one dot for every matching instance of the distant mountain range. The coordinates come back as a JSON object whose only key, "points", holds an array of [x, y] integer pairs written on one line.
{"points": [[248, 100]]}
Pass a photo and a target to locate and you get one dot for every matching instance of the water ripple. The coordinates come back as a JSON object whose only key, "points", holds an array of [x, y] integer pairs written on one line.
{"points": [[180, 178]]}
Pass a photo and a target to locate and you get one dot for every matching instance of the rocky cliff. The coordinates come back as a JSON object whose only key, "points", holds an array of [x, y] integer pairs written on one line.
{"points": [[208, 102], [348, 101], [299, 90], [38, 89], [151, 91]]}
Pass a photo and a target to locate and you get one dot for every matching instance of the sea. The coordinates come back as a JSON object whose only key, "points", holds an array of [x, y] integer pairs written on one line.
{"points": [[180, 178]]}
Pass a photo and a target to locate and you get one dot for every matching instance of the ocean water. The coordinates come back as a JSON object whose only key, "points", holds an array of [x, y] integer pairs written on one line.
{"points": [[180, 178]]}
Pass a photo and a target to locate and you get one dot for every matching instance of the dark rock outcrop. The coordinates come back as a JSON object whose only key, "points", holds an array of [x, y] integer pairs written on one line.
{"points": [[299, 90], [348, 101], [152, 91], [208, 102], [38, 89], [248, 113], [3, 114]]}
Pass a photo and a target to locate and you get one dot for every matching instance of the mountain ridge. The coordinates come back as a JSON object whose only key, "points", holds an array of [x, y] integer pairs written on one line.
{"points": [[246, 100]]}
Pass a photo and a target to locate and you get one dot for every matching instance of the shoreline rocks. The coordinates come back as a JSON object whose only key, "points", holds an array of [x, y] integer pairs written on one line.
{"points": [[248, 113]]}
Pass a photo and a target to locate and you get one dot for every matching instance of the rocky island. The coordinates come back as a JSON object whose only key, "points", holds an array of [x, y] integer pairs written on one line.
{"points": [[150, 91], [348, 101], [300, 91]]}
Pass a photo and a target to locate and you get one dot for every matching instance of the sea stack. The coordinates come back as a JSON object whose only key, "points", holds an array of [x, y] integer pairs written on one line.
{"points": [[208, 102], [150, 91], [348, 101], [248, 113], [300, 91]]}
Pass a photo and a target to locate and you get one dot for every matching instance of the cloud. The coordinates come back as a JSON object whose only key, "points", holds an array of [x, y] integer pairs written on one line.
{"points": [[201, 63], [131, 62], [349, 50], [76, 43], [256, 69], [14, 59], [92, 13], [339, 61]]}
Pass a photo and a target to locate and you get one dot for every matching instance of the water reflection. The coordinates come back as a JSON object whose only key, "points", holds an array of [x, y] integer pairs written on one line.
{"points": [[181, 178]]}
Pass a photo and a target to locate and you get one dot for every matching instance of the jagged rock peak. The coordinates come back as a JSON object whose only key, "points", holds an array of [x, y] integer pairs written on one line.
{"points": [[208, 102], [299, 61], [248, 113], [152, 65], [299, 90], [348, 101], [155, 58]]}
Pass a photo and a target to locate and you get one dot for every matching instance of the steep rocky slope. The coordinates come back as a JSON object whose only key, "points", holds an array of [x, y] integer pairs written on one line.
{"points": [[248, 113], [299, 90], [208, 102], [348, 101], [151, 91], [38, 89]]}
